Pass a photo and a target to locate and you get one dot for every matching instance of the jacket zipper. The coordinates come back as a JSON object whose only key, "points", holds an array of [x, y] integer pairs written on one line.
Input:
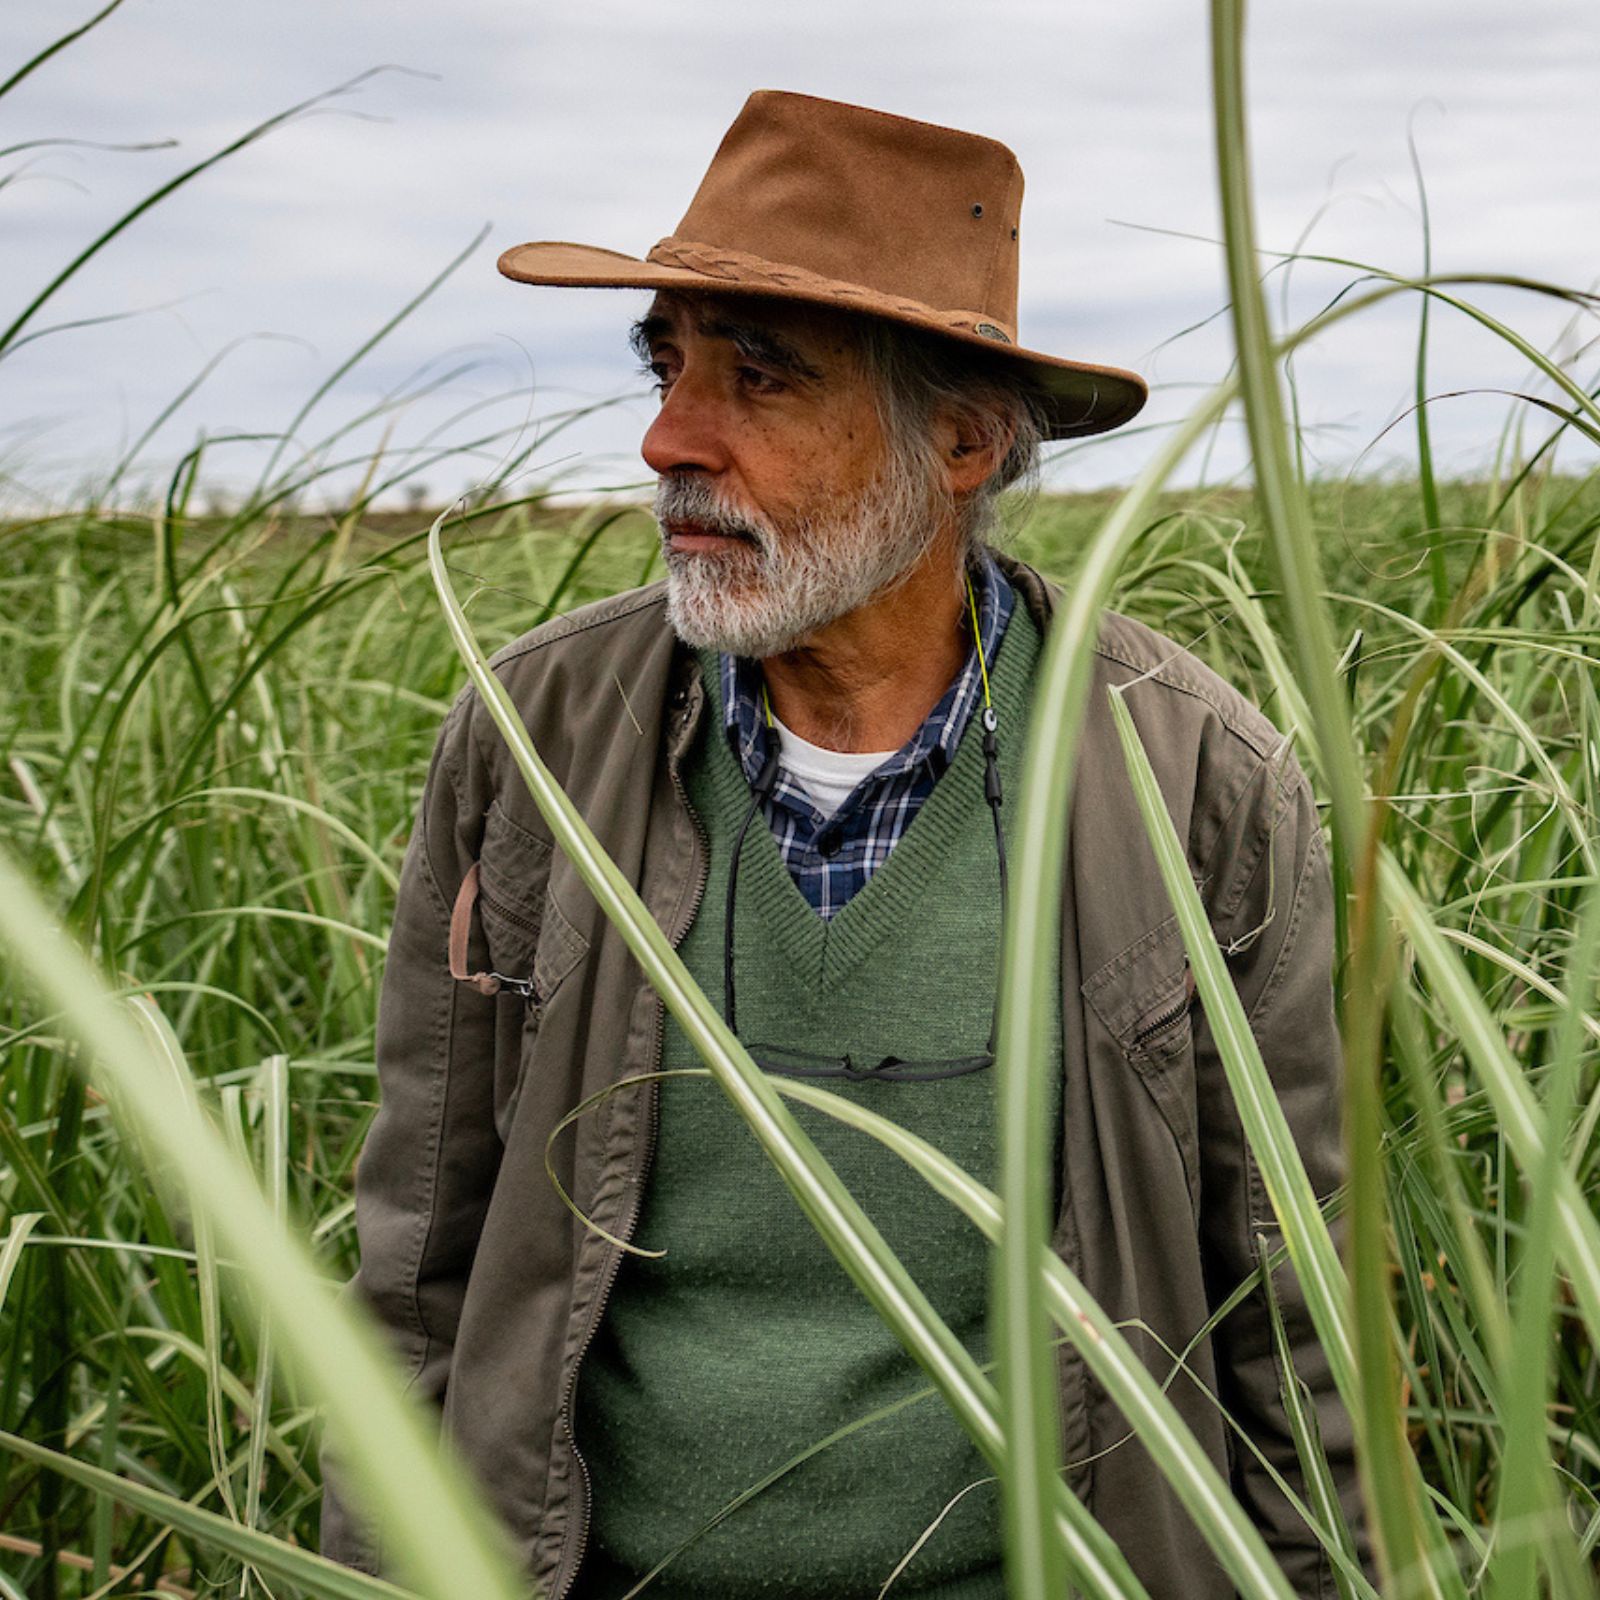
{"points": [[510, 913], [564, 1579], [1165, 1020]]}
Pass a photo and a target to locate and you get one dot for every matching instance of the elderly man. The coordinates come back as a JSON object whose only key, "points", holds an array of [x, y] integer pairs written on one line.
{"points": [[838, 647]]}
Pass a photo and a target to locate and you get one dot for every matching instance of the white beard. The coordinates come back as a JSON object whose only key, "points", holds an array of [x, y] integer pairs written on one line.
{"points": [[767, 596]]}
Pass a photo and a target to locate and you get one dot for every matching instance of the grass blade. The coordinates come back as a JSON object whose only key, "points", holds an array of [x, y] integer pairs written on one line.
{"points": [[315, 1574], [444, 1540]]}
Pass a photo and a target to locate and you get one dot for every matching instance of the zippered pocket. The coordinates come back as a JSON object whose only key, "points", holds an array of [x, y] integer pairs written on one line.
{"points": [[530, 937], [1167, 1025], [513, 869], [532, 945]]}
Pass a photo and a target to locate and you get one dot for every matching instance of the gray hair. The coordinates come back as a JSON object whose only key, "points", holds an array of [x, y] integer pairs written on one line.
{"points": [[915, 375]]}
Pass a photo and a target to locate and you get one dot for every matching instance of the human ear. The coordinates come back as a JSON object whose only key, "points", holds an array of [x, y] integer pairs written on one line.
{"points": [[970, 453]]}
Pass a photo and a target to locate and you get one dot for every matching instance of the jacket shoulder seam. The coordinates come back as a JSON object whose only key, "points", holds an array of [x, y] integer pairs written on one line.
{"points": [[612, 611], [1259, 843], [1164, 673], [602, 614]]}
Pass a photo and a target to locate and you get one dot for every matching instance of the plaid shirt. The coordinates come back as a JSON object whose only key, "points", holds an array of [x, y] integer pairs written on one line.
{"points": [[832, 857]]}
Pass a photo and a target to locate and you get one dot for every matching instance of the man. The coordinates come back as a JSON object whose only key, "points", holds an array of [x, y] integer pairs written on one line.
{"points": [[836, 646]]}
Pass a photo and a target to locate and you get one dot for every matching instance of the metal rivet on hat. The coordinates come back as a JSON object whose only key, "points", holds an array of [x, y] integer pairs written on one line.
{"points": [[1013, 233], [989, 331], [977, 211]]}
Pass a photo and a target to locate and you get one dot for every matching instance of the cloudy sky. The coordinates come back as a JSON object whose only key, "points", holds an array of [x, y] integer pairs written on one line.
{"points": [[496, 121]]}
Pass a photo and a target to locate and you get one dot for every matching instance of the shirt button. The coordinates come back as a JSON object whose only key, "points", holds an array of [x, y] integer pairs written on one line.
{"points": [[828, 842]]}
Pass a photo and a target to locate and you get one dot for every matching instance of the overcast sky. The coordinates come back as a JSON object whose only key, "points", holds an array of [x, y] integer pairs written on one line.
{"points": [[524, 119]]}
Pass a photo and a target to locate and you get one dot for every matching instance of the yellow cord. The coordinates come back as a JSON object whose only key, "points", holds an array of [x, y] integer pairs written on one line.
{"points": [[977, 639], [766, 702]]}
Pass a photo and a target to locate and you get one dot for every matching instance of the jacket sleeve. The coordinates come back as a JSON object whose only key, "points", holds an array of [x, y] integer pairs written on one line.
{"points": [[1271, 898], [429, 1162]]}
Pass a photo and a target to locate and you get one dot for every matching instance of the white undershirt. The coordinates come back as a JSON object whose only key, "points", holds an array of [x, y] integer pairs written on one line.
{"points": [[829, 777]]}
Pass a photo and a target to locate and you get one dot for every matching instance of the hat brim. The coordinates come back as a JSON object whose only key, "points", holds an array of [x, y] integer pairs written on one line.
{"points": [[1081, 397]]}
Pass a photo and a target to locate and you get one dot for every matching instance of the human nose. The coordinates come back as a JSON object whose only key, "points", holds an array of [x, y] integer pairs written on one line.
{"points": [[688, 431]]}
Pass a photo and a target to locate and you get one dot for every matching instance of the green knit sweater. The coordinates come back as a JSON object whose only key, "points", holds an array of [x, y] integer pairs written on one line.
{"points": [[746, 1343]]}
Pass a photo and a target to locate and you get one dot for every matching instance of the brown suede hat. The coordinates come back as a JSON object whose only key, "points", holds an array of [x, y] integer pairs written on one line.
{"points": [[836, 205]]}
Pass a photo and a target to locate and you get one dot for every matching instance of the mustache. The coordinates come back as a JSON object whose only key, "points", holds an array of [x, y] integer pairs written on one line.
{"points": [[681, 498]]}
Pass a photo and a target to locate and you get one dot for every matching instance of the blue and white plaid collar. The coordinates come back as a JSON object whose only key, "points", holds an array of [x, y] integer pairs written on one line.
{"points": [[934, 742]]}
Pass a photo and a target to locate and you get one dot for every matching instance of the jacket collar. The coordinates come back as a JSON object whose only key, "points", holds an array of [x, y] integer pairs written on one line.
{"points": [[686, 692], [1041, 595]]}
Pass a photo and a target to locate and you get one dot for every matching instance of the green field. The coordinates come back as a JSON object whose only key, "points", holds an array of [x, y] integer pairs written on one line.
{"points": [[216, 735]]}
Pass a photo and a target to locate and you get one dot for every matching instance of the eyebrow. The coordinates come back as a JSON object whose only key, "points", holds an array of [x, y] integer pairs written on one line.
{"points": [[753, 342]]}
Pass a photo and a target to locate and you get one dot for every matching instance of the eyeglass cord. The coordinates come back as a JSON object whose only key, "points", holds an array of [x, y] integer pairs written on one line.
{"points": [[765, 780]]}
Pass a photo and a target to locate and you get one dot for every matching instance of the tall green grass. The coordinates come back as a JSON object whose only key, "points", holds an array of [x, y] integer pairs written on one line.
{"points": [[215, 731]]}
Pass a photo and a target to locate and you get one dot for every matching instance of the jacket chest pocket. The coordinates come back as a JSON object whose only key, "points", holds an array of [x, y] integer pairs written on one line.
{"points": [[1144, 996], [530, 940]]}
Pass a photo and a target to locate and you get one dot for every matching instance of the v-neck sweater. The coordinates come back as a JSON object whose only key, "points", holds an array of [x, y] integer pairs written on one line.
{"points": [[832, 857], [746, 1343]]}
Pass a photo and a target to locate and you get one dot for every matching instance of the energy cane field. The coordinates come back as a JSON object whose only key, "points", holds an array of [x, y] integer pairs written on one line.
{"points": [[216, 722]]}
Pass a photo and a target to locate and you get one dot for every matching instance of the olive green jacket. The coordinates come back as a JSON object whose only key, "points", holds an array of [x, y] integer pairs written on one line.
{"points": [[490, 1290]]}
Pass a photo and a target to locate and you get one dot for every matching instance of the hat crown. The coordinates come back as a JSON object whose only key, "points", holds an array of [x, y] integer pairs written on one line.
{"points": [[908, 209]]}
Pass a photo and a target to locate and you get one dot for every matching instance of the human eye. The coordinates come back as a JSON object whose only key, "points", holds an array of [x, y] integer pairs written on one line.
{"points": [[657, 372], [758, 380]]}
